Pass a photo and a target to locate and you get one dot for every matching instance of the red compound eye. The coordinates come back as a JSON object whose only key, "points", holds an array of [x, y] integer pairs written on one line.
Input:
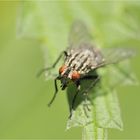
{"points": [[62, 69], [75, 75]]}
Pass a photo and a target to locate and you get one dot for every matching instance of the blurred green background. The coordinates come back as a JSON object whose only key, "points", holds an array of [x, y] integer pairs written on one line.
{"points": [[23, 97]]}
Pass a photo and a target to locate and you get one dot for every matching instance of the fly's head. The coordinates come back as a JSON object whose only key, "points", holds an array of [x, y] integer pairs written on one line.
{"points": [[66, 75]]}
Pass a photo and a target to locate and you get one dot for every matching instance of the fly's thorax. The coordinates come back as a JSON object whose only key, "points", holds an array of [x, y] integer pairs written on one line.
{"points": [[82, 59]]}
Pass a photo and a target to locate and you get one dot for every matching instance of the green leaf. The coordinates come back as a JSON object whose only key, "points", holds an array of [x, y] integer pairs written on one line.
{"points": [[31, 22], [92, 132], [103, 111], [107, 110], [81, 116], [50, 23], [85, 117]]}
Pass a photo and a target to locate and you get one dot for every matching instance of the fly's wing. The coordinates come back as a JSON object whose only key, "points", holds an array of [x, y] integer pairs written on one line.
{"points": [[79, 34], [121, 73], [115, 55], [81, 37]]}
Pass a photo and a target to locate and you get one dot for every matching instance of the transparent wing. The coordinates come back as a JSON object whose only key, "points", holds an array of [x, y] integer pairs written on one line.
{"points": [[79, 34], [122, 71], [115, 55]]}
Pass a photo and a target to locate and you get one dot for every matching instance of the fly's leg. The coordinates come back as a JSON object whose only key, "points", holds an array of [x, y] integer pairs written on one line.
{"points": [[92, 84], [56, 91], [95, 79], [53, 66], [74, 98], [86, 107]]}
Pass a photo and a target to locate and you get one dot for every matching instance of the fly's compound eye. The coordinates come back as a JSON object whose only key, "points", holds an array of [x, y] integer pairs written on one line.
{"points": [[63, 68], [75, 75]]}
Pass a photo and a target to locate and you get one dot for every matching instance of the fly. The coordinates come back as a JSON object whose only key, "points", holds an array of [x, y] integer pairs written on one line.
{"points": [[82, 58]]}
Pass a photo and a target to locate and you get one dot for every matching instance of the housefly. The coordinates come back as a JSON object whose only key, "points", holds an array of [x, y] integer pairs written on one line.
{"points": [[82, 57]]}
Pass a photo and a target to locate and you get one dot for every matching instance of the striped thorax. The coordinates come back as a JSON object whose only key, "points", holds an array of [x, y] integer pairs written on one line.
{"points": [[79, 61]]}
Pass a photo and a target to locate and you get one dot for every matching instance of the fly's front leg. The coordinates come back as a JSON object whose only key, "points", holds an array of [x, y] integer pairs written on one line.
{"points": [[55, 63], [56, 91]]}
